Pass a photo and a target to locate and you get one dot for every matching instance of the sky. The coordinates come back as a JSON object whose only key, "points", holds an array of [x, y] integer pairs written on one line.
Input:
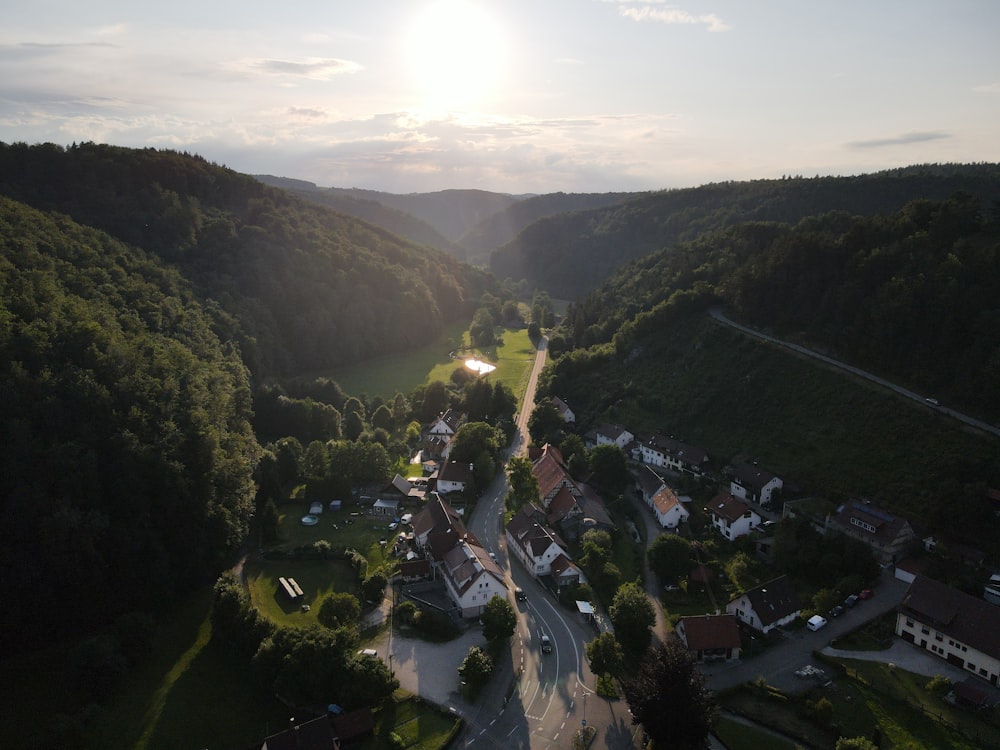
{"points": [[513, 96]]}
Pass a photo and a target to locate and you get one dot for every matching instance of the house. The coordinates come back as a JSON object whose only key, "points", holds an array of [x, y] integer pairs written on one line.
{"points": [[453, 476], [437, 521], [710, 637], [667, 508], [402, 489], [532, 542], [354, 725], [731, 516], [907, 570], [767, 606], [750, 482], [471, 577], [415, 570], [438, 436], [610, 434], [963, 630], [570, 506], [315, 734], [565, 572], [889, 536], [648, 483], [564, 411], [669, 453]]}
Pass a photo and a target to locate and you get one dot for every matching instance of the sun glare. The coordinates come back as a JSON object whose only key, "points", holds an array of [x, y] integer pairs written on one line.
{"points": [[455, 54]]}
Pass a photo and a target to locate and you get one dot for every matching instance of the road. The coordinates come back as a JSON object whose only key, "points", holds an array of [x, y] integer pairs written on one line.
{"points": [[718, 315], [552, 694]]}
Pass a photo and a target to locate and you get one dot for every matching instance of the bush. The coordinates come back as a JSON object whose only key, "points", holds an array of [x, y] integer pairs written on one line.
{"points": [[938, 685]]}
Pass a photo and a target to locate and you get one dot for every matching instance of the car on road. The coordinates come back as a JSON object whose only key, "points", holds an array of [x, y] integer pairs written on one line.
{"points": [[866, 594], [546, 644], [837, 611], [851, 600], [520, 595]]}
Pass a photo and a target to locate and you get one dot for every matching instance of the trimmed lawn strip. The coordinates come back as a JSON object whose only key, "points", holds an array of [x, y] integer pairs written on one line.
{"points": [[739, 736], [318, 578], [420, 725]]}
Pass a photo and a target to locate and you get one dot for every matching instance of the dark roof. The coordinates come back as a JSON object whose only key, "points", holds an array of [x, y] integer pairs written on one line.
{"points": [[752, 477], [969, 619], [728, 507], [668, 446], [649, 481], [316, 734], [455, 471], [773, 600], [883, 527], [351, 726], [704, 632]]}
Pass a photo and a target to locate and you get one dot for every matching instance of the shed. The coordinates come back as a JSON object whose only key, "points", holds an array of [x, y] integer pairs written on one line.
{"points": [[386, 507], [335, 504]]}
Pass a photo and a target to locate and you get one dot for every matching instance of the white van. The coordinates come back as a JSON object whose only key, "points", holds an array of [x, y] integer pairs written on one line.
{"points": [[816, 622]]}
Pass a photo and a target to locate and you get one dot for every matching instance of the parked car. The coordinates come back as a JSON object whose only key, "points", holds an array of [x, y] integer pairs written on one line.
{"points": [[851, 601], [816, 622], [671, 587], [866, 594], [837, 611]]}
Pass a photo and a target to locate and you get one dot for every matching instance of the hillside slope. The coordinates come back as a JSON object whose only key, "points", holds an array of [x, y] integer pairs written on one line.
{"points": [[300, 287], [570, 254]]}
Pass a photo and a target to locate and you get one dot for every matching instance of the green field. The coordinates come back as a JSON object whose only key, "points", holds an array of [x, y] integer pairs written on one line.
{"points": [[401, 373]]}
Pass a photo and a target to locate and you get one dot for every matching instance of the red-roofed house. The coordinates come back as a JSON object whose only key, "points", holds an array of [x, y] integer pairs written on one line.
{"points": [[710, 637], [471, 577], [731, 516], [669, 511]]}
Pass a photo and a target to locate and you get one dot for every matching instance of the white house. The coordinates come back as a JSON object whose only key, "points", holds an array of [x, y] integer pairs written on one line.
{"points": [[530, 540], [963, 630], [710, 637], [667, 508], [438, 437], [613, 434], [453, 476], [732, 517], [754, 484], [767, 606], [668, 453], [471, 577], [564, 411]]}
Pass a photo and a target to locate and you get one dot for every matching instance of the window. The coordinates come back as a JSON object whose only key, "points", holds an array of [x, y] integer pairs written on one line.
{"points": [[983, 671], [938, 637], [970, 666], [925, 631], [909, 622]]}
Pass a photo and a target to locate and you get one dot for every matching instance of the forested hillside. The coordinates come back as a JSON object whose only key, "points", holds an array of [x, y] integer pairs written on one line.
{"points": [[914, 296], [126, 473], [370, 210], [298, 286], [500, 228], [571, 254]]}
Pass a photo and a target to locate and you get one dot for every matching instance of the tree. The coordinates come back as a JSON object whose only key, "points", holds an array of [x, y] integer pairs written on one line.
{"points": [[476, 668], [400, 408], [546, 425], [523, 483], [499, 619], [670, 557], [354, 425], [607, 462], [373, 587], [474, 438], [382, 417], [369, 680], [605, 655], [435, 400], [481, 330], [633, 617], [316, 462], [339, 610], [669, 698]]}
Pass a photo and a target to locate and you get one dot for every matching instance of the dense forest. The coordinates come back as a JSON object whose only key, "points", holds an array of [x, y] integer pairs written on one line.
{"points": [[912, 295], [126, 472], [298, 286], [572, 254]]}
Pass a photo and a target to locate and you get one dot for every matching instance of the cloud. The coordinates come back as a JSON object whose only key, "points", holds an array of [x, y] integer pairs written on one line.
{"points": [[647, 12], [313, 68], [903, 139]]}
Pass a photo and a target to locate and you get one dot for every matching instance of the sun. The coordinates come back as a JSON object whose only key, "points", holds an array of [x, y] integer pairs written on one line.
{"points": [[455, 54]]}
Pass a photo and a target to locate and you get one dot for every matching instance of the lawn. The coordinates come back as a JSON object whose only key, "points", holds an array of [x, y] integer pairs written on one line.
{"points": [[419, 725], [739, 736], [401, 373], [513, 359]]}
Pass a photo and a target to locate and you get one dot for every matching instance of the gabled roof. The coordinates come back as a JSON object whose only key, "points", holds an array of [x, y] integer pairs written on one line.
{"points": [[704, 632], [451, 420], [466, 563], [668, 446], [665, 499], [882, 526], [562, 566], [592, 506], [774, 600], [728, 507], [649, 481], [550, 470], [529, 531], [454, 471], [969, 619], [561, 406], [612, 432], [562, 504], [438, 516], [752, 477]]}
